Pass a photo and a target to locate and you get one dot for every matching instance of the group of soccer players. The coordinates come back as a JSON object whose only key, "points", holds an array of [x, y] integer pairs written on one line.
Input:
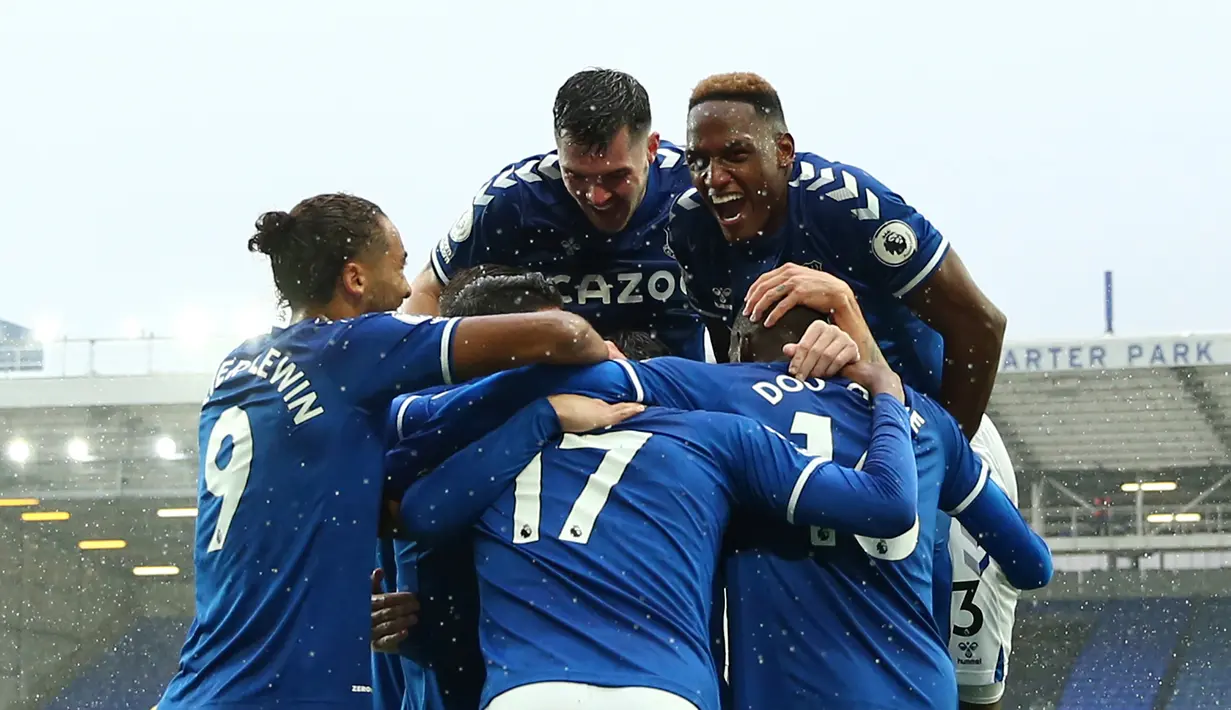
{"points": [[612, 521]]}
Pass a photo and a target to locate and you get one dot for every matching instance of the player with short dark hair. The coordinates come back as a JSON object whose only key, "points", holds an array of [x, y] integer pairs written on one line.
{"points": [[638, 345], [291, 455], [591, 215], [505, 289], [763, 221], [590, 125]]}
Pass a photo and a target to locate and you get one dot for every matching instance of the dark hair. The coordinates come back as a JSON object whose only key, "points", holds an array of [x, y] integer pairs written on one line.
{"points": [[489, 289], [753, 342], [308, 246], [744, 87], [638, 344], [595, 104]]}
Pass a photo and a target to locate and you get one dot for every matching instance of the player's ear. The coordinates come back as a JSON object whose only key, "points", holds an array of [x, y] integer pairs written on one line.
{"points": [[651, 145], [786, 151], [353, 279]]}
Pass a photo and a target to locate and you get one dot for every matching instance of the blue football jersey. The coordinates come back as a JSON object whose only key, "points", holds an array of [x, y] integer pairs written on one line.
{"points": [[291, 446], [524, 216], [831, 419], [596, 566], [842, 221], [820, 618]]}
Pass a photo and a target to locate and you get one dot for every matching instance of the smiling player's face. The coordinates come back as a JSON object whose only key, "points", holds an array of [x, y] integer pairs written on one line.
{"points": [[609, 184], [384, 285], [740, 165]]}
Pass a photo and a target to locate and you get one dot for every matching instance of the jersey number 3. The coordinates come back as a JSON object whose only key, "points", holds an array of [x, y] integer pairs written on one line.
{"points": [[226, 473], [621, 447], [818, 438]]}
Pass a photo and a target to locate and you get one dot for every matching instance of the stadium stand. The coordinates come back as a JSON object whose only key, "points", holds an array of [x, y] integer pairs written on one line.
{"points": [[133, 674], [1123, 663], [1122, 448], [1048, 638], [1202, 673]]}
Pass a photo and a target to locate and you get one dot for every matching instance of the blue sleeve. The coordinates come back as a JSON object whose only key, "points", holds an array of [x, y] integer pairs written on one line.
{"points": [[880, 500], [489, 226], [986, 512], [381, 355], [681, 383], [429, 429], [999, 528], [691, 222], [454, 496], [894, 247]]}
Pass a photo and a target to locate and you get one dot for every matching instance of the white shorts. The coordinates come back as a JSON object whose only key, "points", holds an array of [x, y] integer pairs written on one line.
{"points": [[574, 696], [983, 602]]}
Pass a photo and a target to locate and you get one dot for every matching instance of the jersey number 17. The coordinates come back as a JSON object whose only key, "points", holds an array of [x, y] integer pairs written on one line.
{"points": [[620, 448]]}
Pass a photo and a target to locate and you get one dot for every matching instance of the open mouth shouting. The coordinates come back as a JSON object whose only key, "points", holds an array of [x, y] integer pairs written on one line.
{"points": [[728, 207]]}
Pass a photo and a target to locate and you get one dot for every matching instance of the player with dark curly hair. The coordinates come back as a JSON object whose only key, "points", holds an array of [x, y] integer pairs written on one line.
{"points": [[292, 449]]}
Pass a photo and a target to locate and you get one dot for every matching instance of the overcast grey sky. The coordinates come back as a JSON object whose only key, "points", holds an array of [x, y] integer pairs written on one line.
{"points": [[139, 139]]}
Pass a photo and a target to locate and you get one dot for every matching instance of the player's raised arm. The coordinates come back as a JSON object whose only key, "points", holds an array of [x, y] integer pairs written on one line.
{"points": [[383, 354], [879, 500], [986, 512], [903, 253], [487, 344], [973, 329], [452, 497]]}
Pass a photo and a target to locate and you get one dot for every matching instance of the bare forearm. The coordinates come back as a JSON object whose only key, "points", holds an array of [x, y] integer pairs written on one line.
{"points": [[421, 304], [486, 344], [424, 294], [574, 343], [849, 317], [971, 361]]}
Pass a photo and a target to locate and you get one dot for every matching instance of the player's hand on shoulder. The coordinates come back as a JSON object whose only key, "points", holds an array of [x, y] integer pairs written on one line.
{"points": [[393, 616], [823, 351], [579, 414], [776, 292]]}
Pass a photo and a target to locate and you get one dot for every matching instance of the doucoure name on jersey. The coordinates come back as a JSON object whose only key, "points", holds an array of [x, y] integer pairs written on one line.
{"points": [[295, 388], [776, 391], [660, 286]]}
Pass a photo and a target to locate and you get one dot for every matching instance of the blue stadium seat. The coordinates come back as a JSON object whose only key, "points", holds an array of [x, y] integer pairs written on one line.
{"points": [[1203, 680], [1129, 653], [133, 674]]}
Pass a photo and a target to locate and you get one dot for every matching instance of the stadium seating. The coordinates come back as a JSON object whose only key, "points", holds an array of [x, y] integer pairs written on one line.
{"points": [[1046, 643], [1203, 680], [1128, 655], [133, 675]]}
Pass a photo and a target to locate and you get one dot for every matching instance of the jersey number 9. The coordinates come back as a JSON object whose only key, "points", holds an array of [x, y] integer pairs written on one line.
{"points": [[226, 472]]}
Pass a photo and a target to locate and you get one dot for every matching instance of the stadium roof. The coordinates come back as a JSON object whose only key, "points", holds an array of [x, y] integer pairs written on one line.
{"points": [[1095, 414]]}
